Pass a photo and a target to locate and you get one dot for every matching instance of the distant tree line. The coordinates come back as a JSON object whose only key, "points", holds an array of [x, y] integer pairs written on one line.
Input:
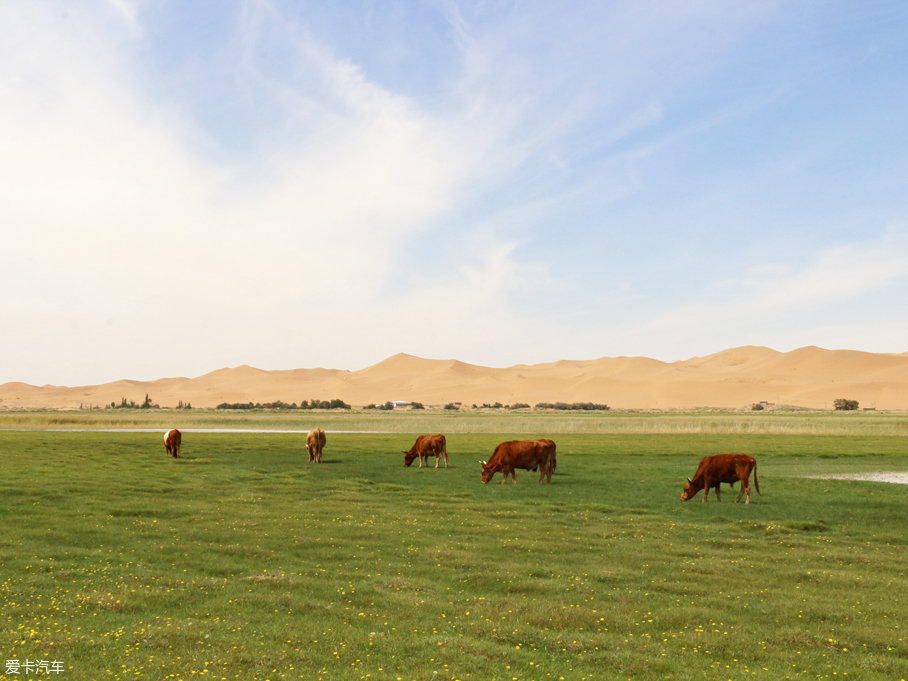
{"points": [[387, 406], [131, 404], [280, 404], [390, 406], [573, 406], [499, 405]]}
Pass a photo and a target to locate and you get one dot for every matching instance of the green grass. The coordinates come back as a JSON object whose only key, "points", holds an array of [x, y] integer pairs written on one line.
{"points": [[244, 561]]}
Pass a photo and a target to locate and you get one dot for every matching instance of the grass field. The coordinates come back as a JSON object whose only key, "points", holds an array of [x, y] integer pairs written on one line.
{"points": [[467, 420], [243, 561]]}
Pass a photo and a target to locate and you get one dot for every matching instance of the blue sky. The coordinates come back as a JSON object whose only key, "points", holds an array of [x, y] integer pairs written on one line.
{"points": [[188, 186]]}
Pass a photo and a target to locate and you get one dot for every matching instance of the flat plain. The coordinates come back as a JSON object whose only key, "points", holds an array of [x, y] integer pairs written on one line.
{"points": [[243, 561]]}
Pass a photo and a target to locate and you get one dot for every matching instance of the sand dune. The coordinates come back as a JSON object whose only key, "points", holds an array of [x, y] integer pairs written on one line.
{"points": [[736, 378]]}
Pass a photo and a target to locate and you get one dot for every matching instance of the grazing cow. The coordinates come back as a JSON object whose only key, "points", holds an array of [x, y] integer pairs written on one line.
{"points": [[315, 443], [720, 468], [172, 440], [526, 454], [426, 446]]}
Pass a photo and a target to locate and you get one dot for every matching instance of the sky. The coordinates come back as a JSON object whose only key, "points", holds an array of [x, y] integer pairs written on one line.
{"points": [[299, 184]]}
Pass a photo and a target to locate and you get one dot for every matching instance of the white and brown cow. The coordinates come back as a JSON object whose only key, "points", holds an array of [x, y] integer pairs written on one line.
{"points": [[172, 440]]}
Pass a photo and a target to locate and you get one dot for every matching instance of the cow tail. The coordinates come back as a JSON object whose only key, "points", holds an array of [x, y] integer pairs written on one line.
{"points": [[756, 482]]}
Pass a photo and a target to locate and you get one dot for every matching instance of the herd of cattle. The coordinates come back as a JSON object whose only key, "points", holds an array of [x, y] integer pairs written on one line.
{"points": [[532, 455]]}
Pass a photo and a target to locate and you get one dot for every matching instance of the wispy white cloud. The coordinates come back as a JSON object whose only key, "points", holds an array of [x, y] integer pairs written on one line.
{"points": [[836, 275], [787, 307], [566, 187], [116, 217]]}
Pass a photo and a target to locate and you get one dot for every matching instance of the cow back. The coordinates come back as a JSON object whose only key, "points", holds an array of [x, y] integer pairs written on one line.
{"points": [[724, 467], [316, 438], [526, 454]]}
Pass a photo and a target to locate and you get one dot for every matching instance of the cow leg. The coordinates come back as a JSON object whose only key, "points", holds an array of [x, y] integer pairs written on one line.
{"points": [[437, 458], [745, 490], [744, 476]]}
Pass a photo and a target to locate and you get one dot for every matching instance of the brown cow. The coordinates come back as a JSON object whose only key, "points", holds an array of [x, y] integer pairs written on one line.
{"points": [[315, 443], [172, 440], [720, 468], [526, 454], [426, 446]]}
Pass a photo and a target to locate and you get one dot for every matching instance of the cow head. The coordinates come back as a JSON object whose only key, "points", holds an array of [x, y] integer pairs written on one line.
{"points": [[409, 457], [487, 471], [689, 490]]}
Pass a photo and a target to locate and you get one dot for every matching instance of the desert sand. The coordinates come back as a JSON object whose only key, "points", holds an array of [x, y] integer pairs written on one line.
{"points": [[809, 377]]}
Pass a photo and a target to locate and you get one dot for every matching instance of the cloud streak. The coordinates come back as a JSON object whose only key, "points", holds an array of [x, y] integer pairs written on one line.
{"points": [[789, 308]]}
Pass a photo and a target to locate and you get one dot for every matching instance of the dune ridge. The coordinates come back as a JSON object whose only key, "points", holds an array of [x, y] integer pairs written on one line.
{"points": [[809, 377]]}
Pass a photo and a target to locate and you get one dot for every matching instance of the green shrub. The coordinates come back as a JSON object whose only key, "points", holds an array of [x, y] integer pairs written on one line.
{"points": [[573, 406]]}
